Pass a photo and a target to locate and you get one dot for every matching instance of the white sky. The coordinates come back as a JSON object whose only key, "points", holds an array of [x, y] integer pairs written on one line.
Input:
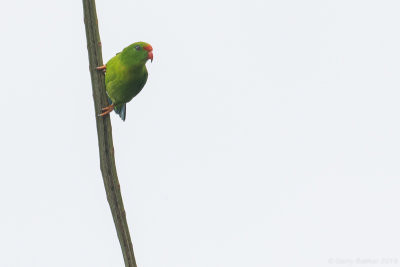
{"points": [[267, 134]]}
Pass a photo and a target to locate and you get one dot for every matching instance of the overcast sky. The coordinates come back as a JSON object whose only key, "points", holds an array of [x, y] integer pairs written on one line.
{"points": [[267, 135]]}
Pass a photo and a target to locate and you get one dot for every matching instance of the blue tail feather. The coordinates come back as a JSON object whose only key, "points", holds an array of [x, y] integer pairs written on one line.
{"points": [[120, 110]]}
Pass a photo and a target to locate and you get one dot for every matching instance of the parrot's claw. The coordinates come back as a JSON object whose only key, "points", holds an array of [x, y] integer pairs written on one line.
{"points": [[103, 68], [104, 113], [106, 110]]}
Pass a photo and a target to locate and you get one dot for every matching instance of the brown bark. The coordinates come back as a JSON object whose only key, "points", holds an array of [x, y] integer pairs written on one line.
{"points": [[104, 133]]}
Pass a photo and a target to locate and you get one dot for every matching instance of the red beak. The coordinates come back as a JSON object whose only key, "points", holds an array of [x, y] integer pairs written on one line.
{"points": [[150, 50]]}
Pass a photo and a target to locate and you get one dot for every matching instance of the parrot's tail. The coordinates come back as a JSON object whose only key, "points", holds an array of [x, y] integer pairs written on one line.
{"points": [[120, 110]]}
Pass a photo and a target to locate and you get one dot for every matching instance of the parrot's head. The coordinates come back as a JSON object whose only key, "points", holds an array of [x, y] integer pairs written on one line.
{"points": [[139, 52]]}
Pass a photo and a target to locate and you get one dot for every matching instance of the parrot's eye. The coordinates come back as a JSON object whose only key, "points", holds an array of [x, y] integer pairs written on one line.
{"points": [[137, 47]]}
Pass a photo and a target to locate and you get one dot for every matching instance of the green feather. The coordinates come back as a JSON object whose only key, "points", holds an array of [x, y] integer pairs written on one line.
{"points": [[126, 75]]}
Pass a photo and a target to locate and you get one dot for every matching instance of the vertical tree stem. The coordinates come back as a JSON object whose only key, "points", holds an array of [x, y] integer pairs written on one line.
{"points": [[104, 132]]}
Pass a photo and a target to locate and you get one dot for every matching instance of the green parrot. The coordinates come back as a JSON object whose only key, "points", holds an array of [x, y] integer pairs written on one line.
{"points": [[126, 75]]}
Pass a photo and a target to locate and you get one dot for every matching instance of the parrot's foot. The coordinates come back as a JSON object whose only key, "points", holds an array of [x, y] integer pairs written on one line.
{"points": [[106, 110], [103, 68]]}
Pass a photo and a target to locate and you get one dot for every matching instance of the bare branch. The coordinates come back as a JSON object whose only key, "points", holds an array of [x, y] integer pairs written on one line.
{"points": [[104, 132]]}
